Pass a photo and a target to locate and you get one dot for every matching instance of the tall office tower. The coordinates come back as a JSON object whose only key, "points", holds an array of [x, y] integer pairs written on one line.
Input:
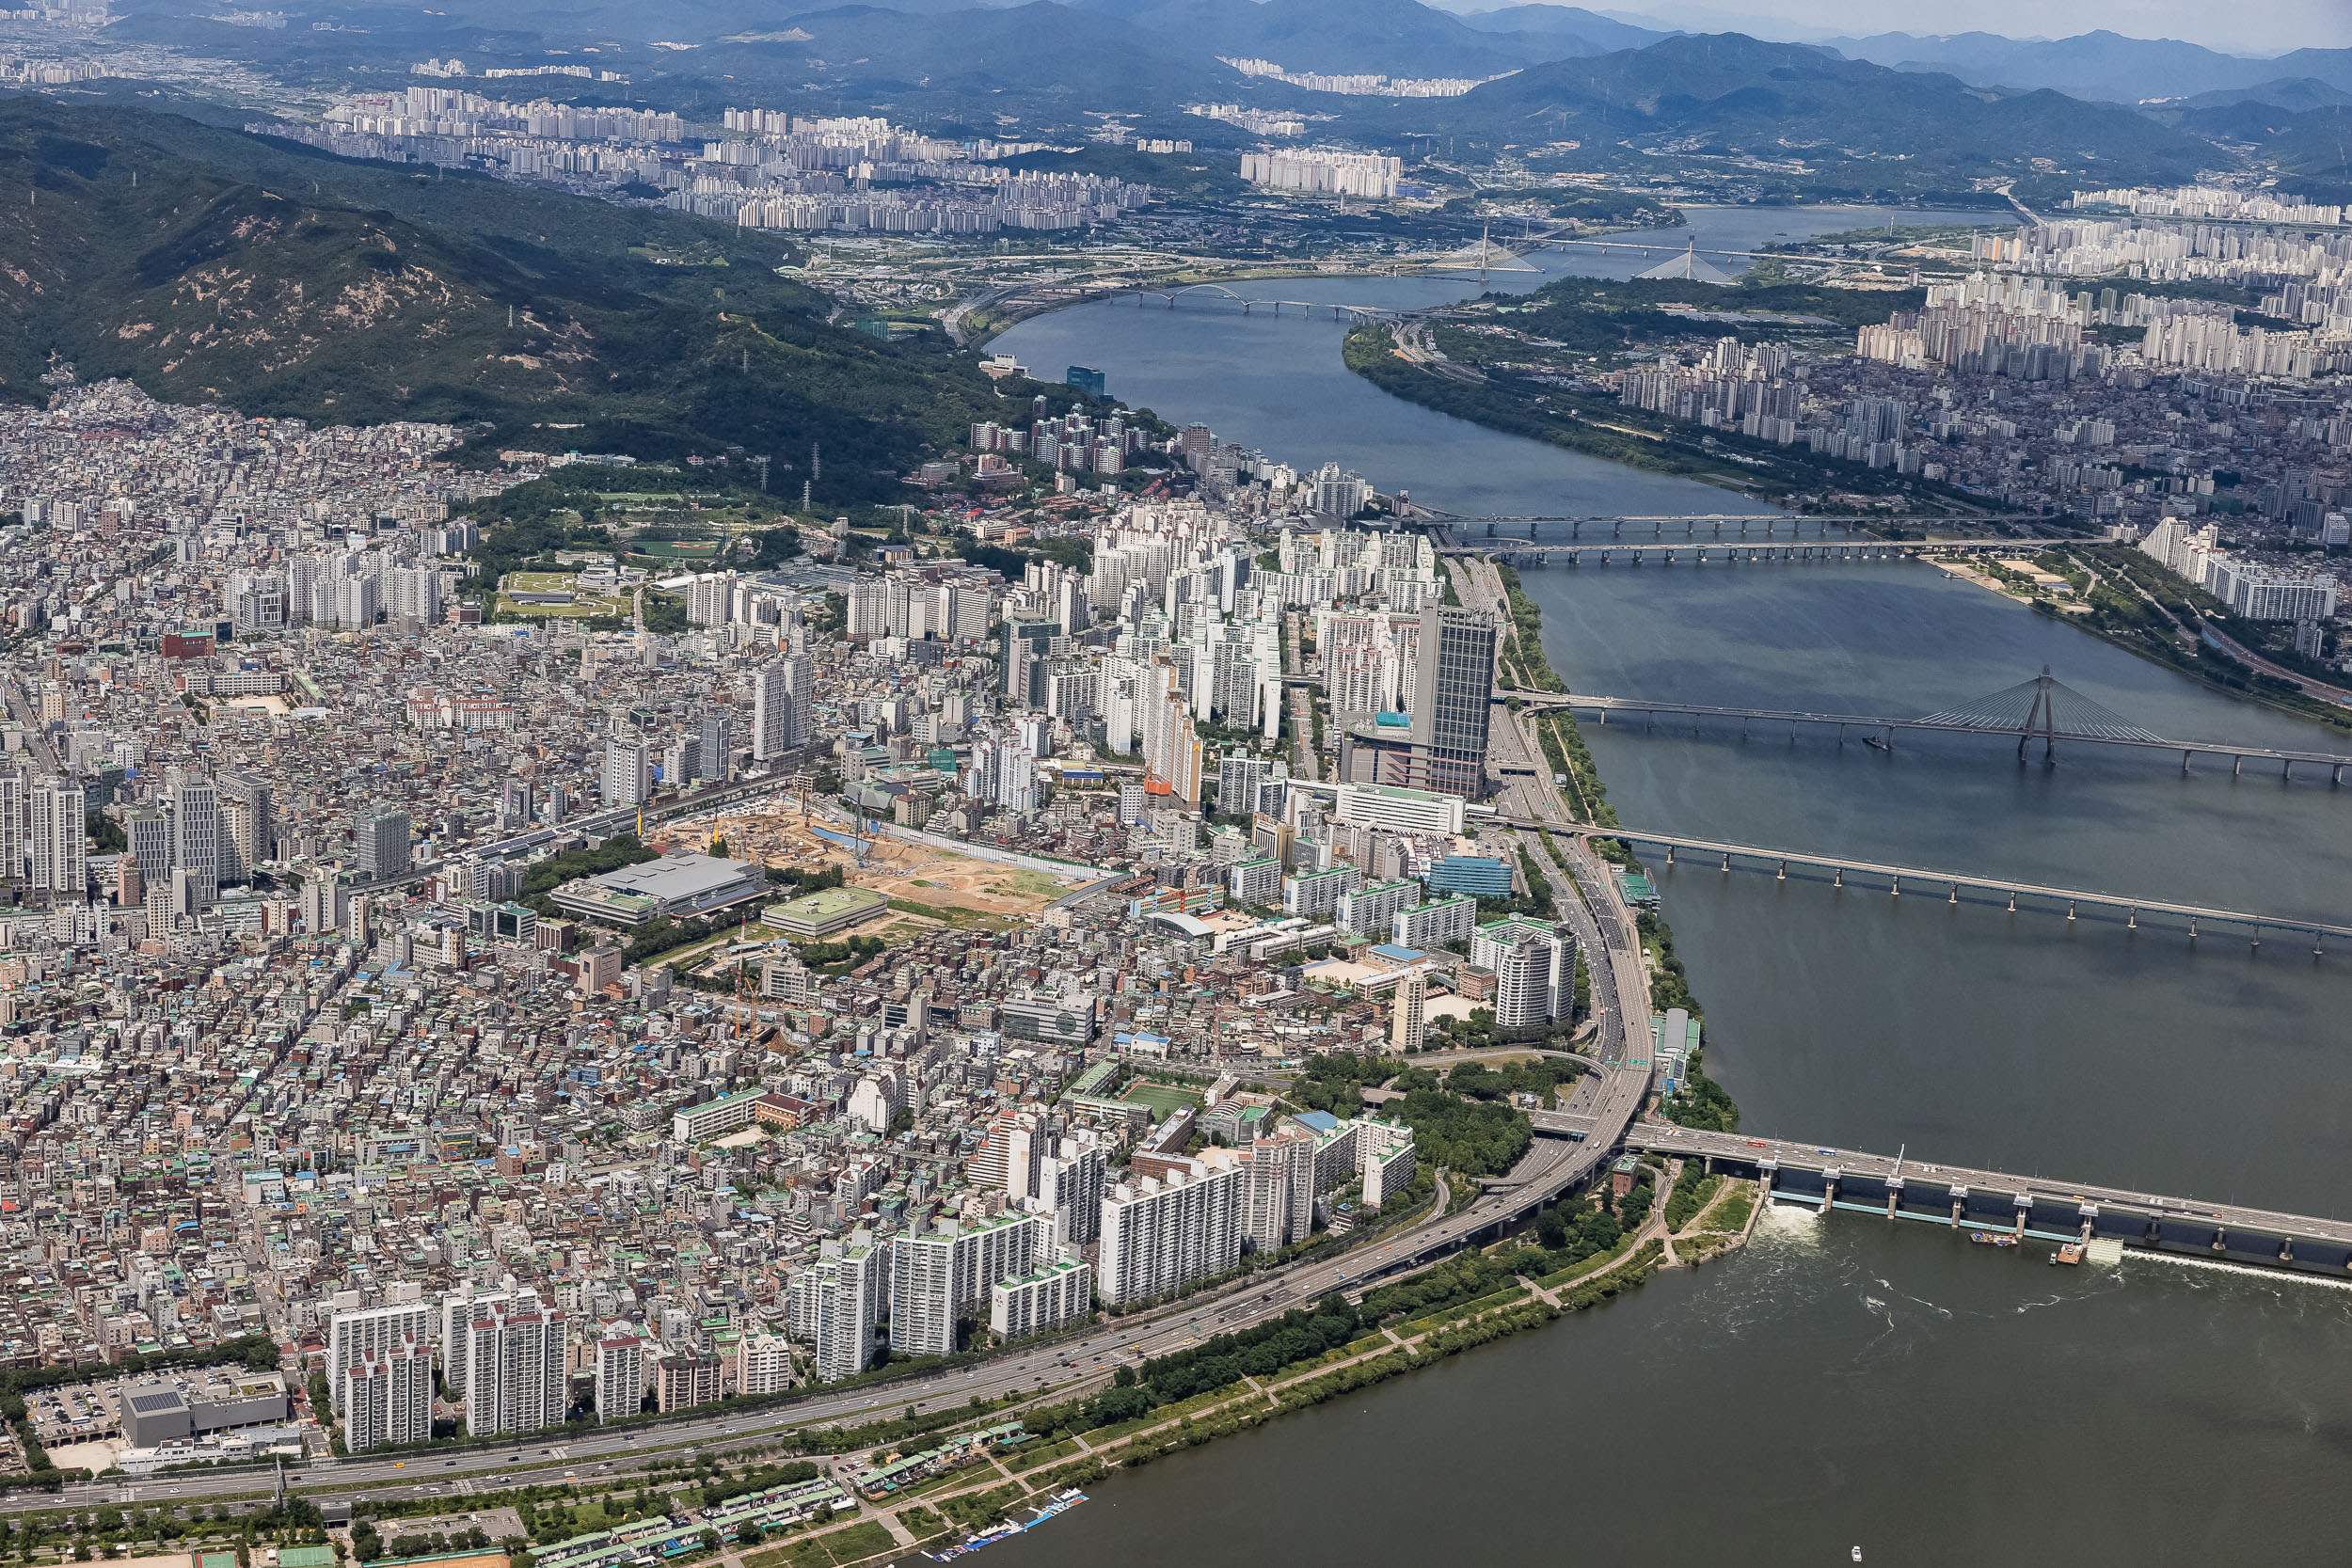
{"points": [[1444, 748], [1534, 969], [799, 681], [260, 824], [514, 1372], [514, 802], [937, 1276], [771, 712], [620, 1373], [1162, 1232], [58, 827], [388, 1397], [763, 1364], [383, 837], [627, 779], [1279, 1198], [850, 1285], [196, 836], [13, 844], [1069, 1184], [371, 1330], [457, 1310], [718, 741], [1453, 687], [149, 844]]}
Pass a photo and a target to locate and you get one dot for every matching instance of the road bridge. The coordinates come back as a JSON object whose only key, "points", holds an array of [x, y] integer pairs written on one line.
{"points": [[1954, 887], [1205, 293], [1969, 1198], [2042, 709]]}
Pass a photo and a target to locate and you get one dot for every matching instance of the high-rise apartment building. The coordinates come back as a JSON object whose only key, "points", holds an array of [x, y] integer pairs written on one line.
{"points": [[852, 1282], [57, 825], [514, 1371], [458, 1309], [620, 1373], [937, 1276], [685, 1378], [1534, 969], [628, 778], [771, 712], [371, 1330], [13, 844], [763, 1364], [1160, 1233], [387, 1397]]}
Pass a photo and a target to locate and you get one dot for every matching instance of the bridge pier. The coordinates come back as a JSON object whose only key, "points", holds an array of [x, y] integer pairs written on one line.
{"points": [[1727, 860], [2090, 1213], [1955, 893], [1897, 890], [2022, 1203], [2070, 909], [2237, 765], [1960, 1202], [2184, 762], [2012, 901], [1784, 872], [1829, 1188], [1837, 877], [1894, 1193], [2220, 1240]]}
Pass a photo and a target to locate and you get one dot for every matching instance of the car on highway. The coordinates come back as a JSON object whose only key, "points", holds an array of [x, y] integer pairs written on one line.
{"points": [[1755, 1143]]}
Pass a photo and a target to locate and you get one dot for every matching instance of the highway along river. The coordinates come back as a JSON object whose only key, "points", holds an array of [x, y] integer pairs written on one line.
{"points": [[1843, 1382]]}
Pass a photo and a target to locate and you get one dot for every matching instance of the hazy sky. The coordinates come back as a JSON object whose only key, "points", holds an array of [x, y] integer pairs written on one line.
{"points": [[2234, 27]]}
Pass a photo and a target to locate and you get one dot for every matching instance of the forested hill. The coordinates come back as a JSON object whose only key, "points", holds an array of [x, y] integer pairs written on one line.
{"points": [[213, 266]]}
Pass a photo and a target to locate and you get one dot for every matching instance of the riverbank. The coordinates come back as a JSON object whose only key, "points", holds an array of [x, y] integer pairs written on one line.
{"points": [[1690, 1219], [1370, 352]]}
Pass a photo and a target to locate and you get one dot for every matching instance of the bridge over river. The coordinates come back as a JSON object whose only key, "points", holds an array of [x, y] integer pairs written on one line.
{"points": [[2043, 710], [1968, 1198]]}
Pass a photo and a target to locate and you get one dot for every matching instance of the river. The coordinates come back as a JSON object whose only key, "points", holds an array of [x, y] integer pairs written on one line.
{"points": [[1844, 1381]]}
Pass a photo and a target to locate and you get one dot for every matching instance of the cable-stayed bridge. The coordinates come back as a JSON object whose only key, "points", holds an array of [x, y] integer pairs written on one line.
{"points": [[2042, 709]]}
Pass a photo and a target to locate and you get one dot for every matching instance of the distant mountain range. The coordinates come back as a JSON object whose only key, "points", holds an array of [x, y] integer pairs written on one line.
{"points": [[1894, 111], [2097, 65], [1732, 97]]}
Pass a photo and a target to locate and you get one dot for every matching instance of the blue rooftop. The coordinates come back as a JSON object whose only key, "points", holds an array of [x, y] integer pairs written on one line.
{"points": [[1396, 954], [1322, 1121]]}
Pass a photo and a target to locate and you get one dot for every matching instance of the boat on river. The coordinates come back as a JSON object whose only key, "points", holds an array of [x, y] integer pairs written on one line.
{"points": [[1991, 1237]]}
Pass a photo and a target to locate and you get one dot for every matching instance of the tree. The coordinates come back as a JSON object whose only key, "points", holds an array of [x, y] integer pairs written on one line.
{"points": [[709, 1539]]}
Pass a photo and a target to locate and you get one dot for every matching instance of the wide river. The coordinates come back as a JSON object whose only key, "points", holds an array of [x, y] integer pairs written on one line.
{"points": [[1844, 1382]]}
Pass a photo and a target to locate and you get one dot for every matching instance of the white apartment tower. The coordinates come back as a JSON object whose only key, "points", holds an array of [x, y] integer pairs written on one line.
{"points": [[387, 1398], [935, 1276], [370, 1331], [1159, 1233], [850, 1282], [620, 1373], [57, 825], [514, 1371]]}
